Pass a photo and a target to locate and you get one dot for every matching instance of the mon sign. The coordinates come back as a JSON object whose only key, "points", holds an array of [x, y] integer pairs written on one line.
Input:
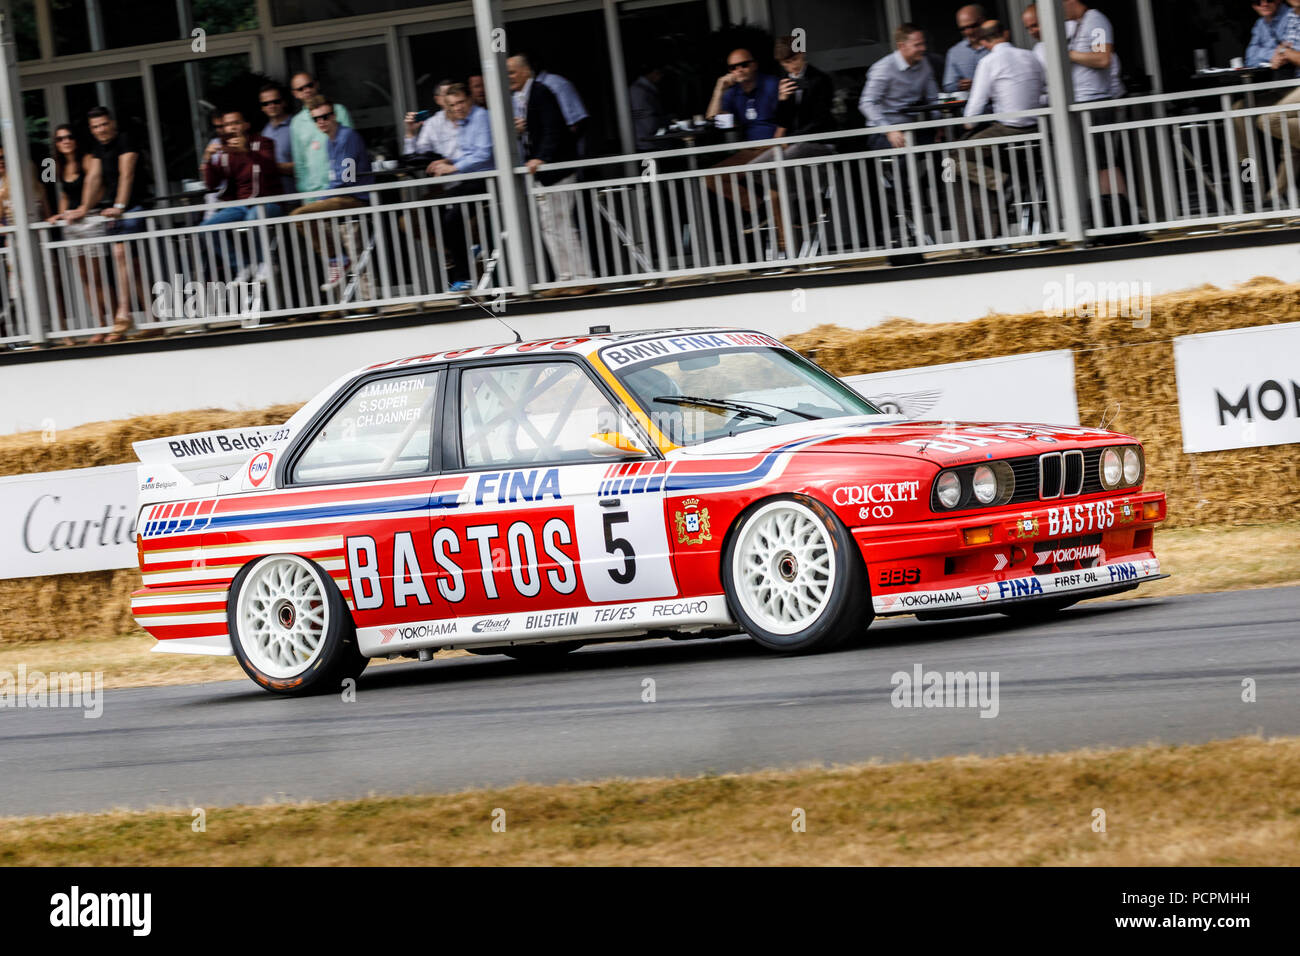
{"points": [[1239, 388]]}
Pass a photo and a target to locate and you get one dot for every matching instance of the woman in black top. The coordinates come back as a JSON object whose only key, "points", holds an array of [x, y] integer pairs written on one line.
{"points": [[77, 174]]}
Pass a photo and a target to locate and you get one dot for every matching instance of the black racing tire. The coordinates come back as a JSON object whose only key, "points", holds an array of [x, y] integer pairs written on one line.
{"points": [[794, 578], [1038, 610], [271, 623]]}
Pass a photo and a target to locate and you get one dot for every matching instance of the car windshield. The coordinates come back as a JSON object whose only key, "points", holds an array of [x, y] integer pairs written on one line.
{"points": [[713, 393]]}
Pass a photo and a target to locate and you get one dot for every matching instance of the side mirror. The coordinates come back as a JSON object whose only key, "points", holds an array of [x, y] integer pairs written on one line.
{"points": [[612, 444]]}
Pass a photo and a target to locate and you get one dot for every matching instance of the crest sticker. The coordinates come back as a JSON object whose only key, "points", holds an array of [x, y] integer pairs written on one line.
{"points": [[692, 523]]}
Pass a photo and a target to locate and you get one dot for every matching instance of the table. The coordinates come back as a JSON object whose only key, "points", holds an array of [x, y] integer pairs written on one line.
{"points": [[947, 107]]}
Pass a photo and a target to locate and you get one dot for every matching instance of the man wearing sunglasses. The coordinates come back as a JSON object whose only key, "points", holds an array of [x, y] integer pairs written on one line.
{"points": [[348, 164], [279, 126], [311, 163], [751, 97], [965, 54]]}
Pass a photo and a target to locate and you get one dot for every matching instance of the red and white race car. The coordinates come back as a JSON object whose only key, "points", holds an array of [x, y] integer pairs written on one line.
{"points": [[531, 497]]}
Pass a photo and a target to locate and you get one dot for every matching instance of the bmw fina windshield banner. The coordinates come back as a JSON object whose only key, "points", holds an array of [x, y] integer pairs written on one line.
{"points": [[993, 389], [1239, 388], [61, 522]]}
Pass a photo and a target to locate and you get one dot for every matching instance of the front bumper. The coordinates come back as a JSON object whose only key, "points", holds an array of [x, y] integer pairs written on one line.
{"points": [[1093, 547]]}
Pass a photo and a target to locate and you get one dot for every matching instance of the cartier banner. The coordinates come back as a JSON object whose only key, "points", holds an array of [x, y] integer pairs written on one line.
{"points": [[66, 521]]}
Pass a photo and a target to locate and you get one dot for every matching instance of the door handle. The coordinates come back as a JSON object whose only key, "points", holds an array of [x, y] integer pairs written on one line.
{"points": [[610, 502]]}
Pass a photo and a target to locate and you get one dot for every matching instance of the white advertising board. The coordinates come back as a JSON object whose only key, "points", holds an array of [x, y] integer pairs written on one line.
{"points": [[61, 522], [1239, 388], [1035, 387]]}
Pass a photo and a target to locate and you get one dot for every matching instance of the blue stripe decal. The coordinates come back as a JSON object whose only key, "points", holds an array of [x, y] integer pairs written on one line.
{"points": [[728, 480], [320, 513]]}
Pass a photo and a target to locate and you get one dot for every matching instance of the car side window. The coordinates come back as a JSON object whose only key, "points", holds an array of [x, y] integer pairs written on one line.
{"points": [[532, 413], [383, 430]]}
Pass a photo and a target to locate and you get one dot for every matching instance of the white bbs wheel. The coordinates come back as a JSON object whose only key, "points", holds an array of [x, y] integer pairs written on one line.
{"points": [[283, 616], [290, 627], [793, 576], [783, 567]]}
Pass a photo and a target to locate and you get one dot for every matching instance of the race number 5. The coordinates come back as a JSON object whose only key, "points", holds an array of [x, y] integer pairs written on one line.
{"points": [[623, 546], [625, 574]]}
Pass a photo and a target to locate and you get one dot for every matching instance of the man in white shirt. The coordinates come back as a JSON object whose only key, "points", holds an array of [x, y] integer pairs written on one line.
{"points": [[1010, 80], [437, 134]]}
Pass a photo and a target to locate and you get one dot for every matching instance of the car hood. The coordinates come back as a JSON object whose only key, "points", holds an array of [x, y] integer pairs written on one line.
{"points": [[943, 443]]}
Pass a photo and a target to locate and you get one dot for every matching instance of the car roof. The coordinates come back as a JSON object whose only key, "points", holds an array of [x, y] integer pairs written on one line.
{"points": [[581, 345]]}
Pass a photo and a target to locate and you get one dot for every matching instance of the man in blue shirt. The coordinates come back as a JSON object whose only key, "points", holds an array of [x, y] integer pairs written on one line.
{"points": [[278, 129], [1284, 126], [1266, 35], [349, 165], [749, 96], [472, 153], [965, 54]]}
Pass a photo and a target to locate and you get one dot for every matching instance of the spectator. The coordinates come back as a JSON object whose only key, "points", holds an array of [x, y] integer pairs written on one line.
{"points": [[959, 65], [348, 164], [311, 163], [575, 113], [477, 91], [1285, 125], [242, 168], [77, 179], [434, 137], [1091, 48], [279, 128], [899, 79], [749, 96], [471, 152], [804, 96], [647, 106], [545, 138], [121, 169], [1266, 35], [1030, 19], [1010, 80], [36, 211]]}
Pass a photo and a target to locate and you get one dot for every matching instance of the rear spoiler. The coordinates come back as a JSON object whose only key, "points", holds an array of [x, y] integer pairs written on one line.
{"points": [[203, 457]]}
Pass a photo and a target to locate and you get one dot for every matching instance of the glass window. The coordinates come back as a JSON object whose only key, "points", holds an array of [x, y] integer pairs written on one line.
{"points": [[305, 11], [187, 91], [715, 393], [383, 431], [24, 22], [355, 73], [532, 413]]}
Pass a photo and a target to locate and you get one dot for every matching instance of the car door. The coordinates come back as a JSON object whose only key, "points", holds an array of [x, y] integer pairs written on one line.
{"points": [[367, 473], [550, 518]]}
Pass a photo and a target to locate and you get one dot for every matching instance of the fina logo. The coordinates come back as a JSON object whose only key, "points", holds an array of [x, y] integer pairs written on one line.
{"points": [[259, 468]]}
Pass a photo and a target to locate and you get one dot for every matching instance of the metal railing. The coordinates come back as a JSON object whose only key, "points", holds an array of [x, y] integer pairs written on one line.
{"points": [[1151, 163], [1200, 159], [642, 217], [392, 245]]}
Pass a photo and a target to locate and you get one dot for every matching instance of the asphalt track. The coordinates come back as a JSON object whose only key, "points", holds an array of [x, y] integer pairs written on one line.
{"points": [[1118, 673]]}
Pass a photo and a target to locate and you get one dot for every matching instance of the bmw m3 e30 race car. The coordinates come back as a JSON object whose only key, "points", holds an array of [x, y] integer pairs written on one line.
{"points": [[531, 497]]}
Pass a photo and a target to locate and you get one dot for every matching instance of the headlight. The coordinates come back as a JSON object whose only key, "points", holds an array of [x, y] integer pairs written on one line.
{"points": [[948, 488], [1112, 469], [985, 485], [1132, 466]]}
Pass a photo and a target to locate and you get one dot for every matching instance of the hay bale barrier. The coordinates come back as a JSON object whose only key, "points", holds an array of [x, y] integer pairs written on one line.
{"points": [[1116, 365]]}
